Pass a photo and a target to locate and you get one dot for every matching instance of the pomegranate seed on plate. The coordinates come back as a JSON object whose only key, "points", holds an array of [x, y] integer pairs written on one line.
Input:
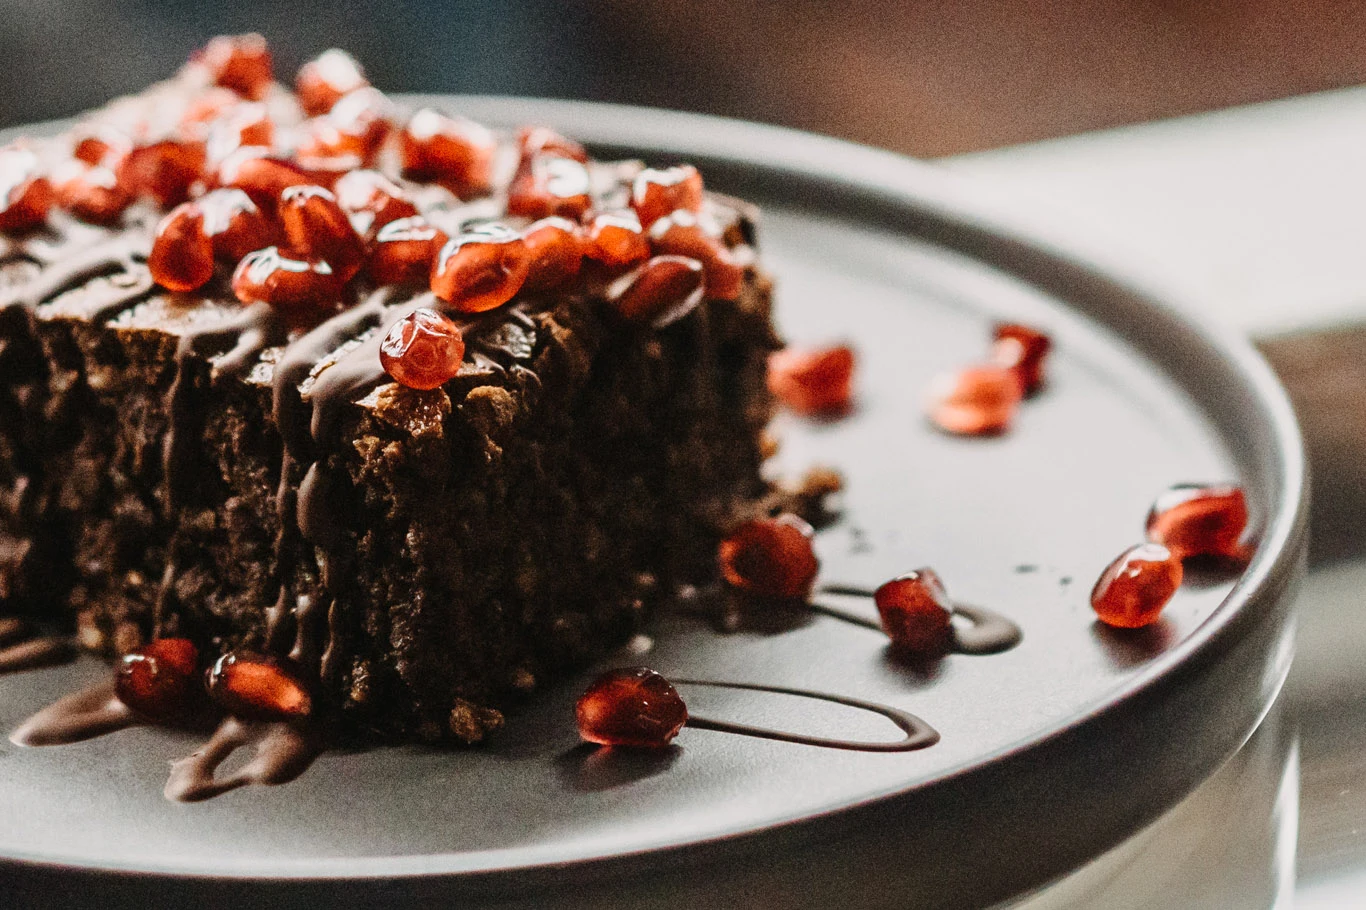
{"points": [[423, 350], [813, 381], [161, 681], [259, 687], [1023, 349], [916, 612], [633, 707], [975, 401], [1133, 589], [1198, 520], [770, 557]]}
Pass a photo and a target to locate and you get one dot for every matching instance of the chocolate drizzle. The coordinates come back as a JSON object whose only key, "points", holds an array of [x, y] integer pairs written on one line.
{"points": [[91, 712], [982, 632], [281, 752]]}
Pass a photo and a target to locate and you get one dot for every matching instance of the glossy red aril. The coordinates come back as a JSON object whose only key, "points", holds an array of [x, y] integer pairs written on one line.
{"points": [[317, 228], [261, 175], [94, 195], [162, 171], [403, 251], [259, 687], [813, 381], [770, 557], [1022, 349], [206, 107], [657, 193], [633, 707], [481, 269], [916, 612], [26, 195], [357, 125], [269, 276], [684, 233], [244, 124], [1133, 589], [100, 146], [975, 401], [161, 681], [239, 62], [534, 141], [454, 152], [182, 254], [234, 224], [423, 350], [556, 250], [660, 292], [550, 185], [372, 200], [1196, 520], [322, 82], [616, 239]]}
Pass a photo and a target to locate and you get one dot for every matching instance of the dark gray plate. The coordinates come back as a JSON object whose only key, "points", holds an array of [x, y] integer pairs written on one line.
{"points": [[1050, 752]]}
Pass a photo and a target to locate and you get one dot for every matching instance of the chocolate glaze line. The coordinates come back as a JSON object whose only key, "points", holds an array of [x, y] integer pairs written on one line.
{"points": [[987, 632], [281, 753], [85, 714], [47, 651], [919, 734]]}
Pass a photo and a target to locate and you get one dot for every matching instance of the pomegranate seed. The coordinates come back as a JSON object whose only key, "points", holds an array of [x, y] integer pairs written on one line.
{"points": [[456, 153], [683, 233], [771, 557], [242, 125], [25, 194], [239, 62], [550, 186], [271, 277], [100, 146], [813, 381], [322, 82], [261, 175], [1133, 589], [481, 269], [372, 200], [317, 228], [163, 171], [976, 401], [423, 350], [161, 681], [327, 170], [206, 107], [534, 141], [662, 291], [94, 195], [1195, 520], [259, 687], [916, 612], [556, 251], [1022, 349], [403, 251], [616, 239], [182, 254], [357, 125], [633, 707], [233, 224], [663, 192]]}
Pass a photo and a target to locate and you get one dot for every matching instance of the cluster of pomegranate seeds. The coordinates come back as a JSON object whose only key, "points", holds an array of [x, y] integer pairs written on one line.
{"points": [[241, 63], [26, 194], [771, 558], [161, 681], [259, 687], [981, 400], [661, 292], [454, 152], [813, 381], [1133, 590], [481, 269], [1022, 349], [422, 350], [1195, 520], [321, 83], [634, 707], [916, 612]]}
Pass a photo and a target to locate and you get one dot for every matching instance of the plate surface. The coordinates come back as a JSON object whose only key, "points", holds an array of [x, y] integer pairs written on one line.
{"points": [[1064, 745]]}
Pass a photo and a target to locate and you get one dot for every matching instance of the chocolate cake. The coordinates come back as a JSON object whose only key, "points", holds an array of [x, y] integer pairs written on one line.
{"points": [[228, 415]]}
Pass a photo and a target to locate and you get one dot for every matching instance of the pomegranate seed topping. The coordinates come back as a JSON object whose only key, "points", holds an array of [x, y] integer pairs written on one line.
{"points": [[161, 681], [550, 186], [534, 141], [661, 292], [101, 146], [556, 251], [317, 228], [94, 195], [659, 193], [1022, 349], [976, 401], [1135, 587], [321, 83], [372, 200], [633, 707], [163, 171], [916, 612], [258, 687], [616, 239], [813, 381], [1195, 520], [481, 269], [208, 106], [456, 153], [423, 350], [771, 557], [271, 277], [242, 125], [25, 194], [182, 254], [403, 251], [683, 233], [357, 125], [233, 224], [241, 63], [261, 176]]}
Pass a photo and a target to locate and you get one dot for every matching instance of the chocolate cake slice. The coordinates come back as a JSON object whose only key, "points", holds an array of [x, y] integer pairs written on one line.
{"points": [[429, 453]]}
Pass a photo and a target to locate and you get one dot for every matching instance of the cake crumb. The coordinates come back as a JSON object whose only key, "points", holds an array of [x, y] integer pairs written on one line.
{"points": [[470, 723]]}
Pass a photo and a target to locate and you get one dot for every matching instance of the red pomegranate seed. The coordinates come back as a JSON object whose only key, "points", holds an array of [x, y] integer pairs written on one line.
{"points": [[163, 171], [456, 153], [233, 224], [975, 401], [161, 681], [242, 125], [207, 106], [239, 62], [259, 687], [357, 125], [317, 228], [403, 251], [372, 200], [322, 82], [1196, 520], [661, 292], [916, 612], [813, 381], [633, 707], [683, 233], [534, 141], [657, 193], [423, 350], [182, 254], [616, 239], [771, 557], [100, 146], [269, 276], [556, 251], [548, 186], [94, 195], [1020, 348], [261, 175], [26, 195], [481, 269], [1135, 587]]}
